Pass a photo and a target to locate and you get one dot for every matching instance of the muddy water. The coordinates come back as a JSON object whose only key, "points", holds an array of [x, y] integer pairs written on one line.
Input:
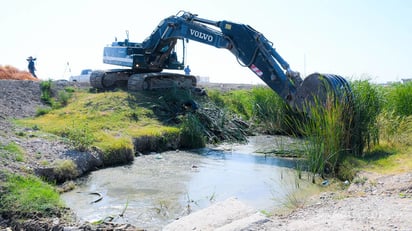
{"points": [[158, 188]]}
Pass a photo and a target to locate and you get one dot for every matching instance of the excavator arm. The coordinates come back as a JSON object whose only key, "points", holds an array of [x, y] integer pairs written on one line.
{"points": [[251, 48]]}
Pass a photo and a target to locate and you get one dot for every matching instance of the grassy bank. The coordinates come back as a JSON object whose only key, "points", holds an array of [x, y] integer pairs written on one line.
{"points": [[118, 123], [27, 196]]}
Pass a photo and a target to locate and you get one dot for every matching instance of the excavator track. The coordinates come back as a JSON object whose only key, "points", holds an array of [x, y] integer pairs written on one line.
{"points": [[107, 80], [110, 79], [162, 80], [316, 88]]}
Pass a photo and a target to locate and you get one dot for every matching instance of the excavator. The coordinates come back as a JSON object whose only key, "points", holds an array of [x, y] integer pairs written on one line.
{"points": [[146, 61]]}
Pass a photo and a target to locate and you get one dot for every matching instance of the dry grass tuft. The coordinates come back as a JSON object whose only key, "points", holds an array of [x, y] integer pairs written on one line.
{"points": [[10, 72]]}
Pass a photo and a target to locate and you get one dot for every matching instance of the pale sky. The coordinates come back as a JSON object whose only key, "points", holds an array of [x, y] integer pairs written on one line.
{"points": [[353, 38]]}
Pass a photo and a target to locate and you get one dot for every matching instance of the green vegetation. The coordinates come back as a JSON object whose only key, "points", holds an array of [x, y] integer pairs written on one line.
{"points": [[368, 104], [399, 98], [381, 123], [12, 151], [192, 132], [27, 196], [66, 169], [107, 121], [261, 106], [55, 102], [326, 132], [46, 93], [115, 122]]}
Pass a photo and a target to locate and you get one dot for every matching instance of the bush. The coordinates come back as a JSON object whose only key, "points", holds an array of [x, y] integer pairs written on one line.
{"points": [[63, 97], [46, 93], [42, 111]]}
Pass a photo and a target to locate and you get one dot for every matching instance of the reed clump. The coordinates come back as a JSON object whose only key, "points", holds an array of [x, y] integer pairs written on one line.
{"points": [[327, 134]]}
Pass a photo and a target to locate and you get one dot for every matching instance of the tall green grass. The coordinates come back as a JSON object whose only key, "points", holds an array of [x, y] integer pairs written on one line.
{"points": [[269, 110], [398, 99], [192, 132], [395, 121], [326, 131], [368, 102], [261, 106]]}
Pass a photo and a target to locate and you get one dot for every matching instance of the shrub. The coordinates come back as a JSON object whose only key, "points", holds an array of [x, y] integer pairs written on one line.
{"points": [[42, 111], [63, 97], [46, 93]]}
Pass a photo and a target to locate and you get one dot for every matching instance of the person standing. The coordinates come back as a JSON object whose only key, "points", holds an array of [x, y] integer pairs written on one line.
{"points": [[31, 66], [187, 70]]}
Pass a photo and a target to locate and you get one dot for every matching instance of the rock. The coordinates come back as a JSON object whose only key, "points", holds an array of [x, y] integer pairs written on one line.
{"points": [[230, 214]]}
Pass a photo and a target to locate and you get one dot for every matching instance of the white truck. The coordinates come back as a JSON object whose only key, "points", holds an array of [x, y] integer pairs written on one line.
{"points": [[84, 76]]}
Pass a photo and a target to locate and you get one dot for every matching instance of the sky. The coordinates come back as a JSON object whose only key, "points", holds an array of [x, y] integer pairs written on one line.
{"points": [[357, 39]]}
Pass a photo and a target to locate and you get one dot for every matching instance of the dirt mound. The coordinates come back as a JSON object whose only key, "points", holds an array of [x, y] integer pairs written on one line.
{"points": [[10, 72]]}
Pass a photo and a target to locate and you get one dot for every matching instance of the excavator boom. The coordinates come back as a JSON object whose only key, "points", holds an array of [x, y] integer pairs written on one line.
{"points": [[250, 47]]}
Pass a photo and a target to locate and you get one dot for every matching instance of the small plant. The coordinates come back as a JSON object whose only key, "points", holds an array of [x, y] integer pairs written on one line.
{"points": [[347, 169], [20, 133], [46, 93], [63, 97], [80, 137], [66, 169], [360, 180], [42, 111], [69, 89]]}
